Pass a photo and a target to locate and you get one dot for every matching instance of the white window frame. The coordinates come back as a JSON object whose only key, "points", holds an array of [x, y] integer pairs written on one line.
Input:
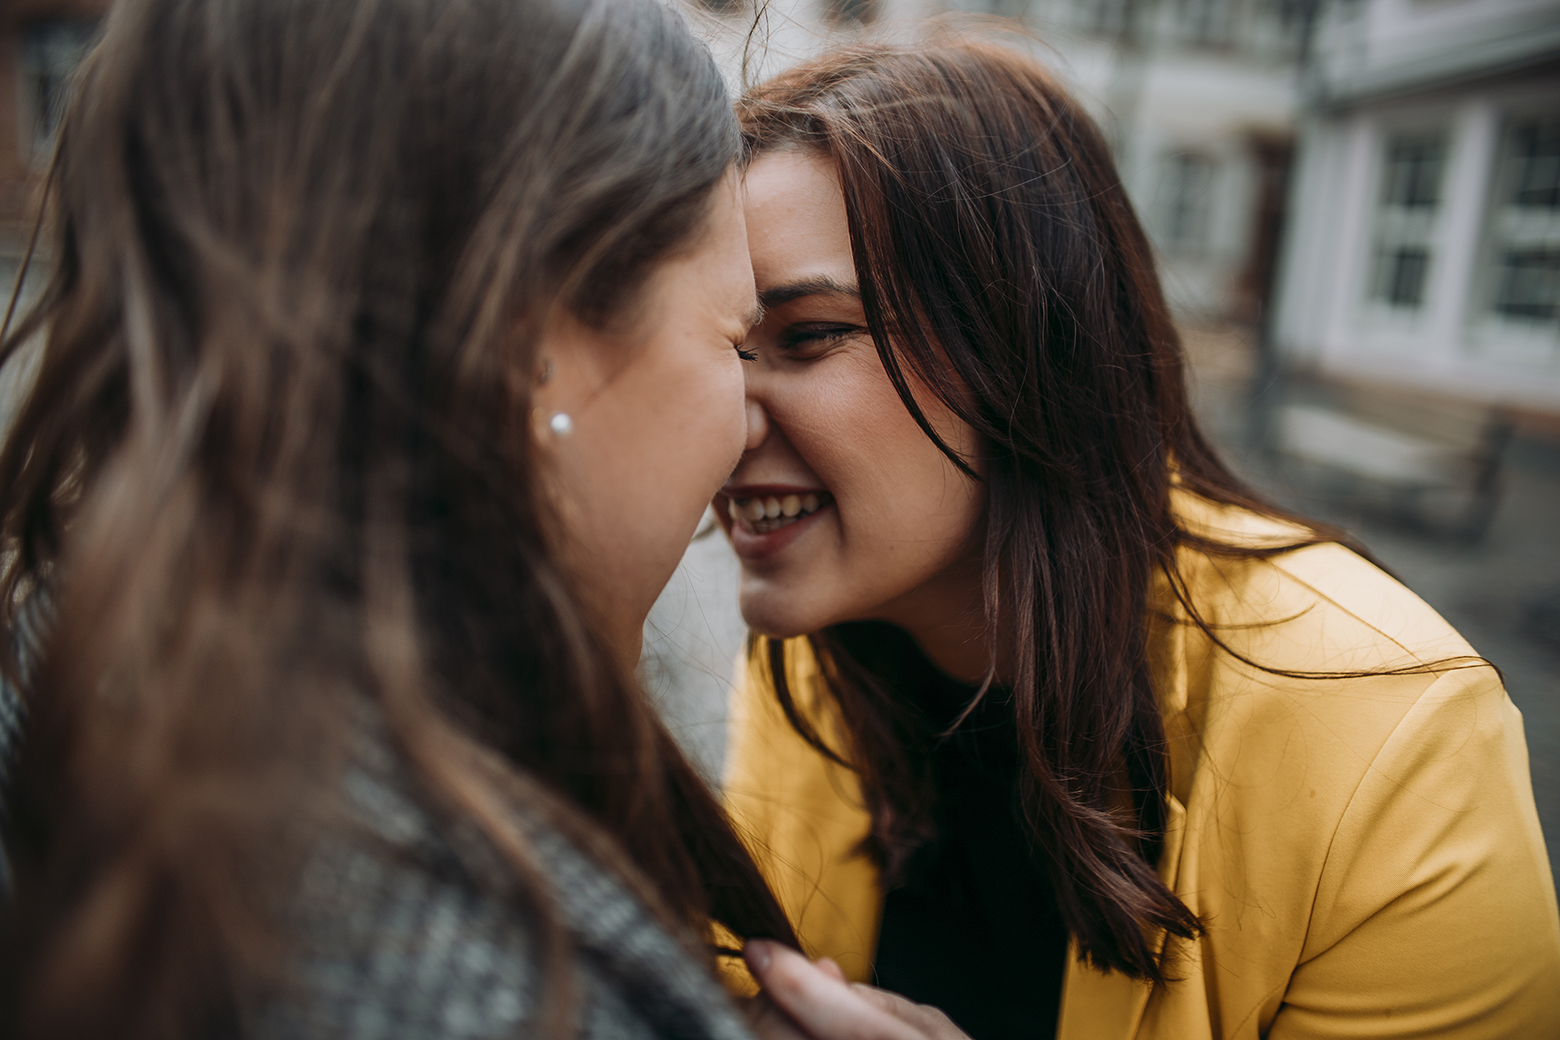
{"points": [[1503, 339], [1176, 197], [1397, 227]]}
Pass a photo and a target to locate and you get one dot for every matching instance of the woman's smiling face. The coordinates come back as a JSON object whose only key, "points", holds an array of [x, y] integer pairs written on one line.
{"points": [[841, 508]]}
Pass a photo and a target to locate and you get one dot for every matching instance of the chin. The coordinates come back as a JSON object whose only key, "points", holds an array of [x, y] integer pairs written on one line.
{"points": [[772, 613]]}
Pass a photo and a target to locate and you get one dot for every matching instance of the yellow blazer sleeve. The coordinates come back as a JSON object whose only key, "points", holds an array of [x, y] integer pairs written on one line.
{"points": [[802, 815], [1435, 913]]}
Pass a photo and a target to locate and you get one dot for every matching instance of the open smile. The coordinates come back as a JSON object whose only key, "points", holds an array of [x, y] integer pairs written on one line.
{"points": [[764, 514]]}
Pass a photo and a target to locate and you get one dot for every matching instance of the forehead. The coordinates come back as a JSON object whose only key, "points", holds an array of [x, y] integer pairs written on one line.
{"points": [[711, 280], [796, 218]]}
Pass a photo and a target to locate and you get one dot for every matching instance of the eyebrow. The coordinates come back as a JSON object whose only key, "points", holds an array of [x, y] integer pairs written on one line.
{"points": [[821, 286]]}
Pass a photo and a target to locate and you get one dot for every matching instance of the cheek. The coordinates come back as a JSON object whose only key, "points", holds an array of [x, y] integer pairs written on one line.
{"points": [[688, 440], [863, 443], [701, 408], [904, 513], [905, 509], [643, 464], [728, 420]]}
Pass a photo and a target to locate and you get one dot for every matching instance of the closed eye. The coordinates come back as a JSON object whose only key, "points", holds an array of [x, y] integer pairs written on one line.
{"points": [[807, 336], [744, 353]]}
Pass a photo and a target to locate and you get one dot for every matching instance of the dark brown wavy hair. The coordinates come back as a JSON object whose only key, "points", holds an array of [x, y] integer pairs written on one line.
{"points": [[275, 471], [1001, 262]]}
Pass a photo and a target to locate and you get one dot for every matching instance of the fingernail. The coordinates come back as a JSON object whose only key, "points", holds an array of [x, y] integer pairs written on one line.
{"points": [[757, 954]]}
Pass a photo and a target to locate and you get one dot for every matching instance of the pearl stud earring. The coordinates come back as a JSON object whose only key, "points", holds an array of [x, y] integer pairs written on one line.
{"points": [[560, 424]]}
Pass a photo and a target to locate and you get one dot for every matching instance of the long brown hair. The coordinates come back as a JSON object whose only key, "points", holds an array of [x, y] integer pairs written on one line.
{"points": [[276, 469], [1001, 262]]}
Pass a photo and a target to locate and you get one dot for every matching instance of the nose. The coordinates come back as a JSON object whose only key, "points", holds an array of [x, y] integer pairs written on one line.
{"points": [[757, 425]]}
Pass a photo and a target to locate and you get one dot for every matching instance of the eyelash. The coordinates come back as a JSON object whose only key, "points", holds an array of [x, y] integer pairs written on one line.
{"points": [[745, 355], [798, 336]]}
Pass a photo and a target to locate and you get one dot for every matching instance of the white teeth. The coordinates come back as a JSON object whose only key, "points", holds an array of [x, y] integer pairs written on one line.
{"points": [[763, 515]]}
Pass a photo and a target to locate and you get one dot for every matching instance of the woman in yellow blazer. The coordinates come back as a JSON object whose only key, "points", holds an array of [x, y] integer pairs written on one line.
{"points": [[1049, 720]]}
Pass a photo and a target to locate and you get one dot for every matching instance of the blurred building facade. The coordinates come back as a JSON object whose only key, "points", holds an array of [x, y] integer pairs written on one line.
{"points": [[1424, 242], [1198, 97], [40, 43]]}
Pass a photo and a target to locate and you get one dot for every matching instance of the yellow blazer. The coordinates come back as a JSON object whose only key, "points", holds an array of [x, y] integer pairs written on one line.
{"points": [[1364, 853]]}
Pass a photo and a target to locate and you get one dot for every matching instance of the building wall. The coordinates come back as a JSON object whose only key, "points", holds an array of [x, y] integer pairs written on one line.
{"points": [[1447, 321], [1369, 38]]}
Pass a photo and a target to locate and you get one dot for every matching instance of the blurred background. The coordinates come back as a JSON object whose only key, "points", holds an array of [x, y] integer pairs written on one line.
{"points": [[1356, 205]]}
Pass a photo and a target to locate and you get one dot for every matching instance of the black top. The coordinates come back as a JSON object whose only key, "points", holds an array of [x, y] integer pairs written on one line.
{"points": [[973, 928]]}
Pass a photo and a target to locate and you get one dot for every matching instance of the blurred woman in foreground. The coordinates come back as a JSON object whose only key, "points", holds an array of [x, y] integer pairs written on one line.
{"points": [[389, 359], [1049, 720]]}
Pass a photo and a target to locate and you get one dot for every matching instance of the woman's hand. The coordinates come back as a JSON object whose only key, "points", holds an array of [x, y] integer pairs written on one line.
{"points": [[769, 1022], [824, 1006]]}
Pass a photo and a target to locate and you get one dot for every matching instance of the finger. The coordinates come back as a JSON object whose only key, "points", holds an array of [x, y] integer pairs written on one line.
{"points": [[822, 1005], [769, 1022], [931, 1022], [829, 967]]}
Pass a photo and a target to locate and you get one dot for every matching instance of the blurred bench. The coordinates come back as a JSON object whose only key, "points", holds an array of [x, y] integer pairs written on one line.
{"points": [[1435, 462]]}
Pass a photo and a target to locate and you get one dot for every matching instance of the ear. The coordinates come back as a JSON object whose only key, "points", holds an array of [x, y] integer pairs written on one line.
{"points": [[570, 366]]}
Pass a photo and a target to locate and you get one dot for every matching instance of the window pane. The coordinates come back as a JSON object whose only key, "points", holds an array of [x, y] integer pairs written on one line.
{"points": [[1207, 21], [848, 12], [1413, 165], [1184, 186], [1521, 282], [1535, 152], [1404, 270], [1413, 174], [1529, 286], [1106, 17]]}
